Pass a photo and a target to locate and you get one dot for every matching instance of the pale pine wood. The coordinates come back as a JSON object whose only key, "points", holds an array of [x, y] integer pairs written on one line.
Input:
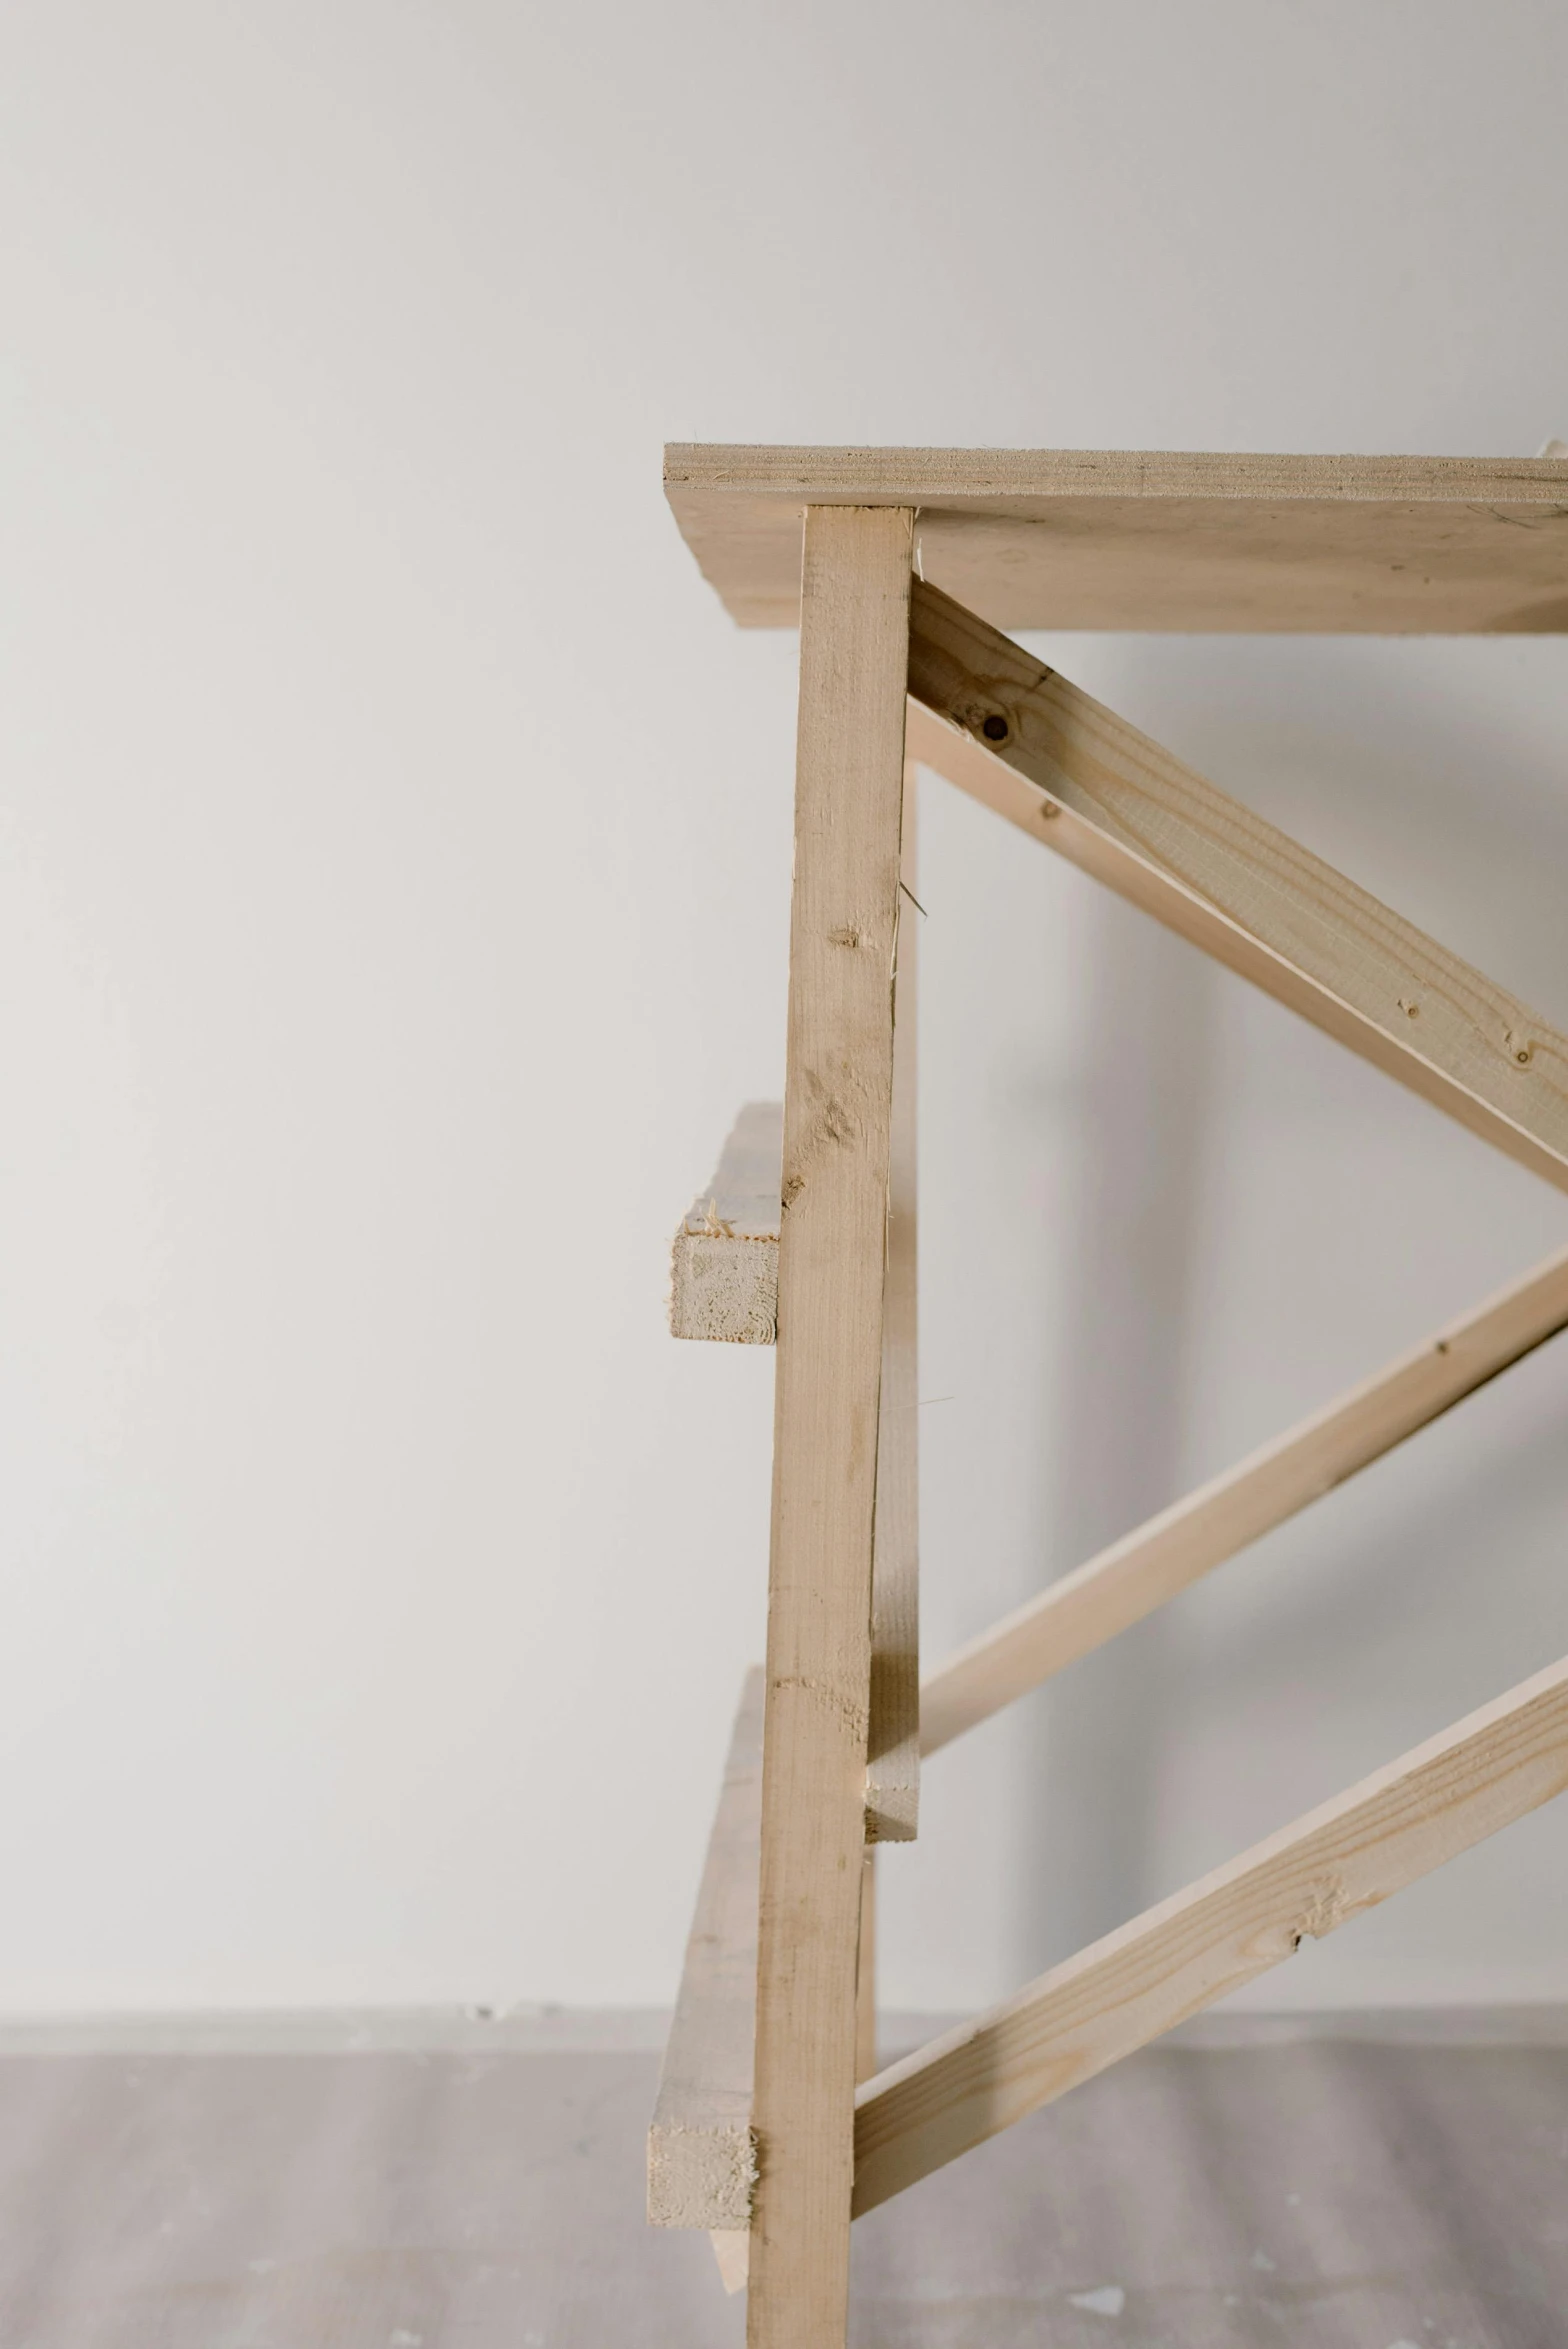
{"points": [[854, 644], [1083, 538], [1155, 1561], [724, 1265], [866, 1970], [732, 2250], [1076, 777], [724, 1286], [1177, 1958], [701, 2158], [893, 1759]]}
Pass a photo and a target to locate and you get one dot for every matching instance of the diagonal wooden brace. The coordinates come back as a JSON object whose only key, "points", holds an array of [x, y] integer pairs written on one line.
{"points": [[1178, 1958], [1009, 731], [1174, 1549]]}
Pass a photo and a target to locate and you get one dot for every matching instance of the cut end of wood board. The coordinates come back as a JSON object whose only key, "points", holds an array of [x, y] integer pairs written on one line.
{"points": [[702, 2156], [724, 1289], [724, 1267], [701, 2177]]}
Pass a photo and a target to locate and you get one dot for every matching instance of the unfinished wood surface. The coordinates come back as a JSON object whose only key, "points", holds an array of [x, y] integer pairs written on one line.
{"points": [[1177, 1958], [854, 647], [1083, 538], [732, 2250], [724, 1266], [1151, 1564], [701, 2160], [866, 1970], [1031, 746], [893, 1757]]}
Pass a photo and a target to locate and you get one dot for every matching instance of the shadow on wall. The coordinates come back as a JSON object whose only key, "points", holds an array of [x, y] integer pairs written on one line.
{"points": [[1428, 769], [1096, 1739], [1401, 765]]}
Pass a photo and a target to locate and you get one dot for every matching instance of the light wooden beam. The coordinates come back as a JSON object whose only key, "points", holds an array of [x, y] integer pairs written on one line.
{"points": [[893, 1754], [1158, 1559], [1180, 1957], [1151, 539], [701, 2159], [725, 1285], [1018, 737], [732, 2250], [866, 1970], [854, 652]]}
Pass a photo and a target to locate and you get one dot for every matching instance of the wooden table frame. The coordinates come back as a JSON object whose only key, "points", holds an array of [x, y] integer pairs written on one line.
{"points": [[774, 2128]]}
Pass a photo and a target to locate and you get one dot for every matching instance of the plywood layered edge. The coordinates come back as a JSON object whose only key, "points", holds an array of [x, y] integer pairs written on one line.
{"points": [[1125, 539]]}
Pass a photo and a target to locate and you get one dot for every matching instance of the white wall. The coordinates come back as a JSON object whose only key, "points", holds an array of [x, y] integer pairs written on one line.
{"points": [[393, 877]]}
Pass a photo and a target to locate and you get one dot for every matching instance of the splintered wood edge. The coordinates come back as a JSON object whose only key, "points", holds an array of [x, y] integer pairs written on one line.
{"points": [[724, 1265], [702, 2160]]}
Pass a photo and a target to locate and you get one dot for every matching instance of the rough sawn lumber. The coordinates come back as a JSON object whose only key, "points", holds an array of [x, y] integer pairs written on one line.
{"points": [[1071, 774], [1172, 1550], [849, 788], [701, 2158], [724, 1286], [893, 1753], [724, 1266], [1179, 1957]]}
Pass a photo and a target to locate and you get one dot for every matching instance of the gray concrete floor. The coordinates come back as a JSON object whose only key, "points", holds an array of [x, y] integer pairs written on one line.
{"points": [[474, 2186]]}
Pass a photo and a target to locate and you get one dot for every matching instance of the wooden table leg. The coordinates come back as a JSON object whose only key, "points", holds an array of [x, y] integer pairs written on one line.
{"points": [[837, 1102]]}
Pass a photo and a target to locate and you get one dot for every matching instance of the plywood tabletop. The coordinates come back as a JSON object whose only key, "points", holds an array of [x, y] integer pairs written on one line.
{"points": [[1123, 539]]}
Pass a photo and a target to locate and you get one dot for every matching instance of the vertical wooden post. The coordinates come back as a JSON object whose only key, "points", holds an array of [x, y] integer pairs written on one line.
{"points": [[893, 1763], [866, 1970], [854, 649]]}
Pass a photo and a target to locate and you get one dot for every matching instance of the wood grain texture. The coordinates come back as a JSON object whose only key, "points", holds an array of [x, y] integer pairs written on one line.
{"points": [[1181, 1956], [1151, 1564], [1077, 778], [866, 1970], [724, 1286], [724, 1265], [893, 1757], [701, 2160], [837, 1109], [1084, 538]]}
